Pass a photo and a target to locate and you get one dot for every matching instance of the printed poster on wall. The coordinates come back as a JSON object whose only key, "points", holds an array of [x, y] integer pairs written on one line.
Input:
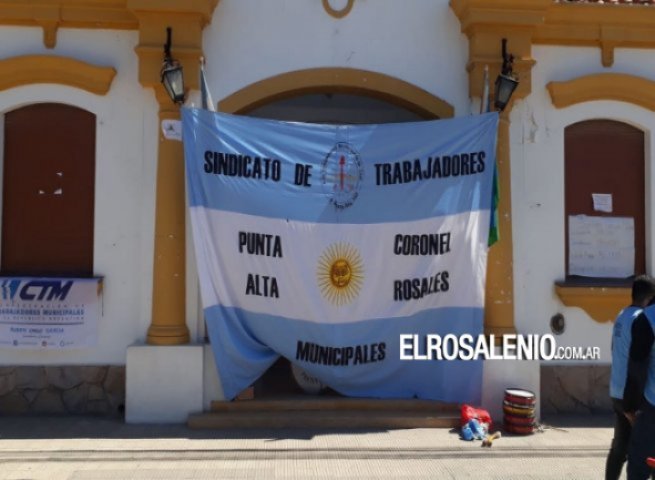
{"points": [[324, 243], [49, 313]]}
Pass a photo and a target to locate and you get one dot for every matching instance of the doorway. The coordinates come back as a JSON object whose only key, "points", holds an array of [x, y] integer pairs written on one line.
{"points": [[323, 108]]}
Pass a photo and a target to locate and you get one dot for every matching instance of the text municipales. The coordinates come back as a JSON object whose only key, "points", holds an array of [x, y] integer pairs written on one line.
{"points": [[340, 356]]}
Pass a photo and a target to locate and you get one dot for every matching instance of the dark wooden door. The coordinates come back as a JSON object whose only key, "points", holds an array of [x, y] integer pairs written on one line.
{"points": [[48, 191], [605, 156]]}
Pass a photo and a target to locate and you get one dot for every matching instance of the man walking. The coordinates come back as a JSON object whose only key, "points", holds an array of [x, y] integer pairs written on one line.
{"points": [[625, 390], [642, 356]]}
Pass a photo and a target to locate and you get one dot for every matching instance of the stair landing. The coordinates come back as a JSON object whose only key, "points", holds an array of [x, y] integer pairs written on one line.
{"points": [[327, 412]]}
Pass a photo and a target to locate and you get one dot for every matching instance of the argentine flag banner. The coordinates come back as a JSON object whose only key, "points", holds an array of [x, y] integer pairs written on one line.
{"points": [[325, 243]]}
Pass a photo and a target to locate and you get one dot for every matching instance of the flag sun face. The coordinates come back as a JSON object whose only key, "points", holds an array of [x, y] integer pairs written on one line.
{"points": [[340, 273]]}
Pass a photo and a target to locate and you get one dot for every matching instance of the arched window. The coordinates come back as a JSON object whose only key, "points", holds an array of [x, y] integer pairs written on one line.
{"points": [[48, 191], [334, 108], [606, 157]]}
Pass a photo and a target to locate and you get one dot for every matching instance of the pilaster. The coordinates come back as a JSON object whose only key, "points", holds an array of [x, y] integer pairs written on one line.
{"points": [[486, 23], [186, 19]]}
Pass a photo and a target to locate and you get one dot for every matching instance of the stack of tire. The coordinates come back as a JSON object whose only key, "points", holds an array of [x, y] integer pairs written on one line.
{"points": [[519, 411]]}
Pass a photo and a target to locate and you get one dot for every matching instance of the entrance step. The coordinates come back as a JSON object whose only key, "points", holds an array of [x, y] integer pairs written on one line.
{"points": [[330, 412]]}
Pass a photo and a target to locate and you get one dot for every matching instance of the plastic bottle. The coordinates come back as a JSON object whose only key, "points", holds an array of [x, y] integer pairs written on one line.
{"points": [[476, 429], [467, 433]]}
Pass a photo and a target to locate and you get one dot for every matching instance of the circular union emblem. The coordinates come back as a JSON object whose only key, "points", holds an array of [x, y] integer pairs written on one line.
{"points": [[342, 174], [340, 273]]}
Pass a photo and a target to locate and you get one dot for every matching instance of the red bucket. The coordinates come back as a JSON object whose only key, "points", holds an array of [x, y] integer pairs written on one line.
{"points": [[517, 396], [519, 411]]}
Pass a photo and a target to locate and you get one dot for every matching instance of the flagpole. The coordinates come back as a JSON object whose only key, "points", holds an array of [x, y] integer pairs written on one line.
{"points": [[484, 101], [206, 101]]}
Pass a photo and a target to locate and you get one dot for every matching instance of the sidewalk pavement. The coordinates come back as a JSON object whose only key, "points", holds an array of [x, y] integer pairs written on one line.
{"points": [[87, 448]]}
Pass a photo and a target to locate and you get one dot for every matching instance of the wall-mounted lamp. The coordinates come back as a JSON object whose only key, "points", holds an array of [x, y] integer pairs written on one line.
{"points": [[506, 82], [171, 73]]}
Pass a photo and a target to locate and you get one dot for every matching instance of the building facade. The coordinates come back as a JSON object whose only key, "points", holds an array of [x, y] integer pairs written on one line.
{"points": [[584, 110]]}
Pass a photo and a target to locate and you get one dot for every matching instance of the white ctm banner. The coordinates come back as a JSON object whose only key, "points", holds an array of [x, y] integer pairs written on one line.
{"points": [[50, 313]]}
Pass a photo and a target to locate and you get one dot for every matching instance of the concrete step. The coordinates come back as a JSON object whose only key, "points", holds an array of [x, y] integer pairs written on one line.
{"points": [[304, 411], [340, 419], [308, 403]]}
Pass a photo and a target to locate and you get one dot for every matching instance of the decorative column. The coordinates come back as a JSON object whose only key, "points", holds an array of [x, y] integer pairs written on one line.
{"points": [[499, 289], [187, 19], [168, 325], [486, 25]]}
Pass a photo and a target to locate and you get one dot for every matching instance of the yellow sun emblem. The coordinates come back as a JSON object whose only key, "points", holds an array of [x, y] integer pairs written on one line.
{"points": [[340, 273]]}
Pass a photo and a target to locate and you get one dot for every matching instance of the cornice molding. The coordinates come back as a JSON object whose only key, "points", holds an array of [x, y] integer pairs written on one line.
{"points": [[599, 14], [486, 23], [606, 26], [51, 15], [187, 18], [31, 69], [495, 13], [203, 8], [604, 86]]}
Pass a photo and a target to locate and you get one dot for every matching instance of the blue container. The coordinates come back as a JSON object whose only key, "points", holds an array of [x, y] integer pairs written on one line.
{"points": [[476, 429]]}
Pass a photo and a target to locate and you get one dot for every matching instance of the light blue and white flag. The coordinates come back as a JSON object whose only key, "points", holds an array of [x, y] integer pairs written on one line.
{"points": [[325, 243]]}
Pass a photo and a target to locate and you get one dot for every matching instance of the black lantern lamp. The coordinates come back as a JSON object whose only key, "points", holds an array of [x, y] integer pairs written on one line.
{"points": [[506, 82], [171, 73]]}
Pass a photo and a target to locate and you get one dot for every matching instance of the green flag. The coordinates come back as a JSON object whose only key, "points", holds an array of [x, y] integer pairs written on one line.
{"points": [[494, 231]]}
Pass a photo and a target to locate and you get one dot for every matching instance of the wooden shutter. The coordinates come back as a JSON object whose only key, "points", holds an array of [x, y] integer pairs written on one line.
{"points": [[605, 156], [48, 191]]}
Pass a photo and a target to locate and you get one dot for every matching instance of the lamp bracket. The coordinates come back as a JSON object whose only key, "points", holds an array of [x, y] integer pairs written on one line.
{"points": [[508, 60], [167, 45]]}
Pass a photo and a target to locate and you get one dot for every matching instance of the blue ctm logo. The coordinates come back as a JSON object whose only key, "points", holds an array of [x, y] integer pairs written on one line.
{"points": [[35, 289]]}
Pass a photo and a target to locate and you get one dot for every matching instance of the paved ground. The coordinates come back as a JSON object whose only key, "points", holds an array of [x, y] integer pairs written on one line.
{"points": [[98, 449]]}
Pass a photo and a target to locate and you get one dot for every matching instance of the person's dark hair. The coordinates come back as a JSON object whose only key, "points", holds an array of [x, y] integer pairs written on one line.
{"points": [[643, 289]]}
